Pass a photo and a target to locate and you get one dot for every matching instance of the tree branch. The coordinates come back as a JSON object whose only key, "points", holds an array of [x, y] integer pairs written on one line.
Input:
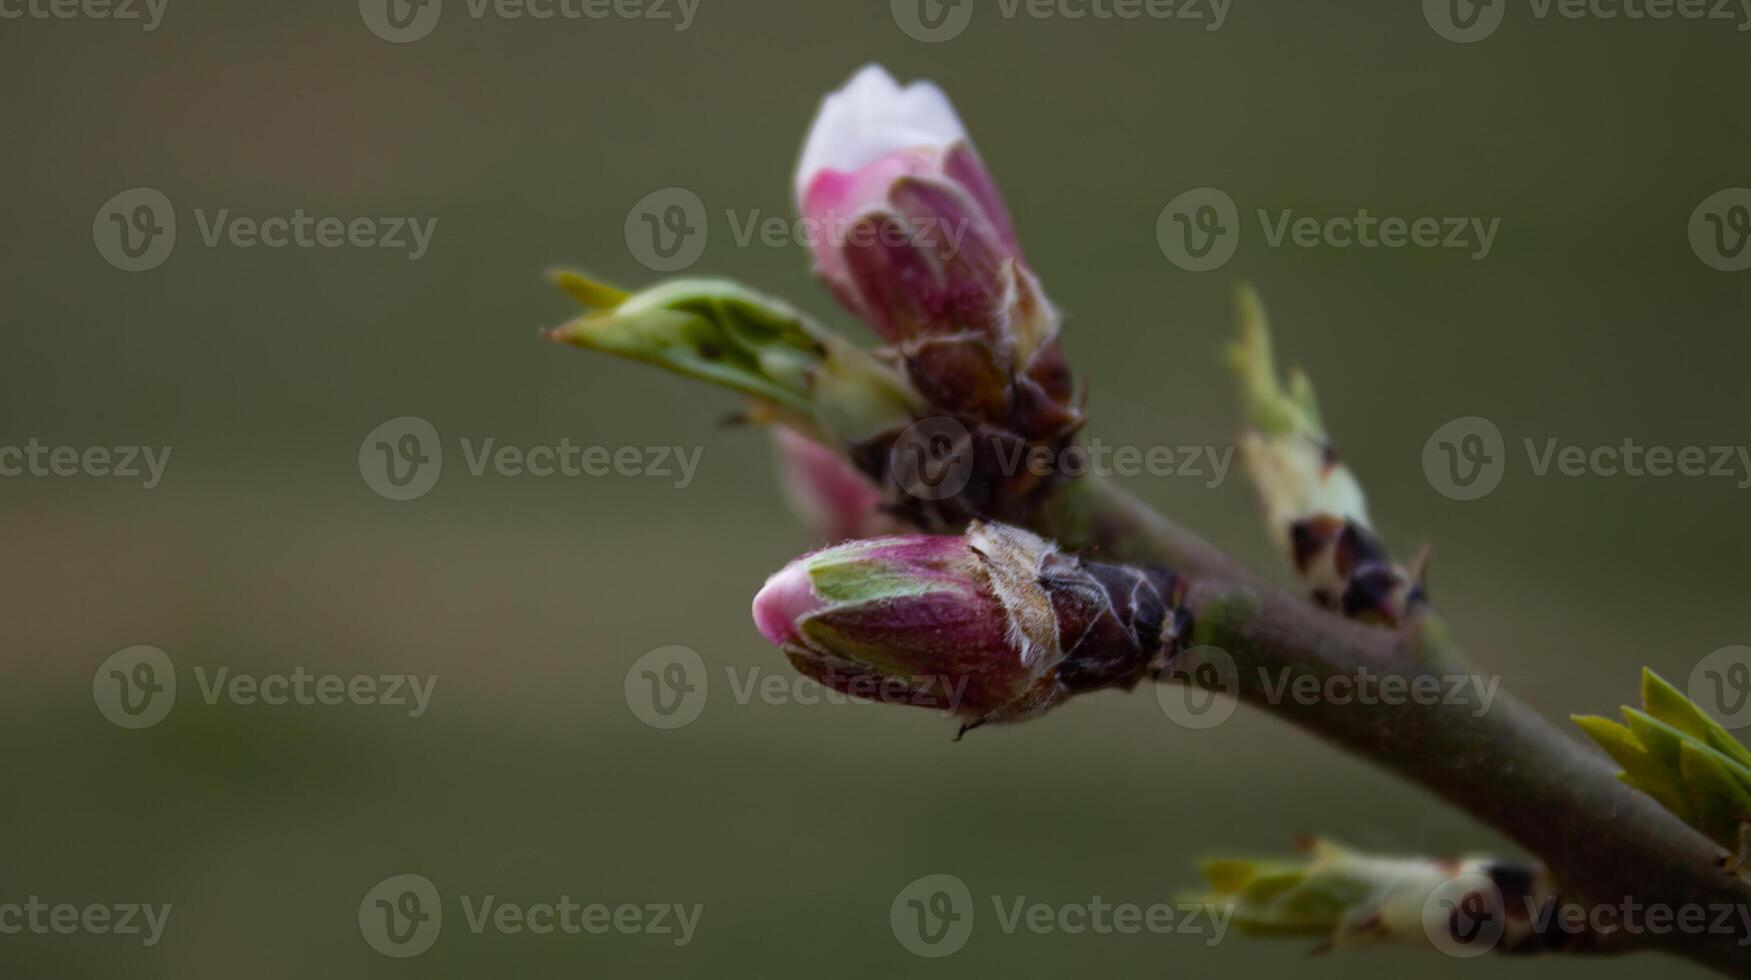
{"points": [[1508, 767], [1603, 842]]}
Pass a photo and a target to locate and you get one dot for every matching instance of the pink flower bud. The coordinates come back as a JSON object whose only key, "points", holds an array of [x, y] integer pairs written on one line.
{"points": [[996, 625], [909, 231], [827, 492]]}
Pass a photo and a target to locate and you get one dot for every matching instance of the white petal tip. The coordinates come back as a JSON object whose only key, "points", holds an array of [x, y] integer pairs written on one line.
{"points": [[871, 117]]}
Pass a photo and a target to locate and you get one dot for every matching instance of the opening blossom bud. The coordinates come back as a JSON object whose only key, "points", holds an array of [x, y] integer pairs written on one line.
{"points": [[909, 231], [1463, 906], [1313, 503], [994, 626]]}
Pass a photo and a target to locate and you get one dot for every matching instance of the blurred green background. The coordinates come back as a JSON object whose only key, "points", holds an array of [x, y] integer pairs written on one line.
{"points": [[795, 826]]}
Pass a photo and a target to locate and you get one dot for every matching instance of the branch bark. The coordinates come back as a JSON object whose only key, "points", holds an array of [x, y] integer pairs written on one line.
{"points": [[1508, 767]]}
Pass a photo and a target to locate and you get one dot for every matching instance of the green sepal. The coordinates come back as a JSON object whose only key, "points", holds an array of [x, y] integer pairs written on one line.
{"points": [[719, 331]]}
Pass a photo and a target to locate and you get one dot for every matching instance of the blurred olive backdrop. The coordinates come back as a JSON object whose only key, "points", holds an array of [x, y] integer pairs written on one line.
{"points": [[264, 549]]}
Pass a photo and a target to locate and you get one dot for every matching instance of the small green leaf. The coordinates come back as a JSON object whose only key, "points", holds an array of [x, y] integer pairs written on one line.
{"points": [[1721, 805], [719, 331], [1681, 757], [1662, 742], [1668, 704], [1639, 769]]}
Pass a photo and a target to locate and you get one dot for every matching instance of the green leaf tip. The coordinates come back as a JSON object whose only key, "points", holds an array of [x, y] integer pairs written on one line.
{"points": [[1272, 408], [1671, 706], [586, 291]]}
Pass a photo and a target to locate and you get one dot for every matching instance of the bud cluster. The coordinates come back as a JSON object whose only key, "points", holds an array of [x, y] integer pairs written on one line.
{"points": [[935, 268]]}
